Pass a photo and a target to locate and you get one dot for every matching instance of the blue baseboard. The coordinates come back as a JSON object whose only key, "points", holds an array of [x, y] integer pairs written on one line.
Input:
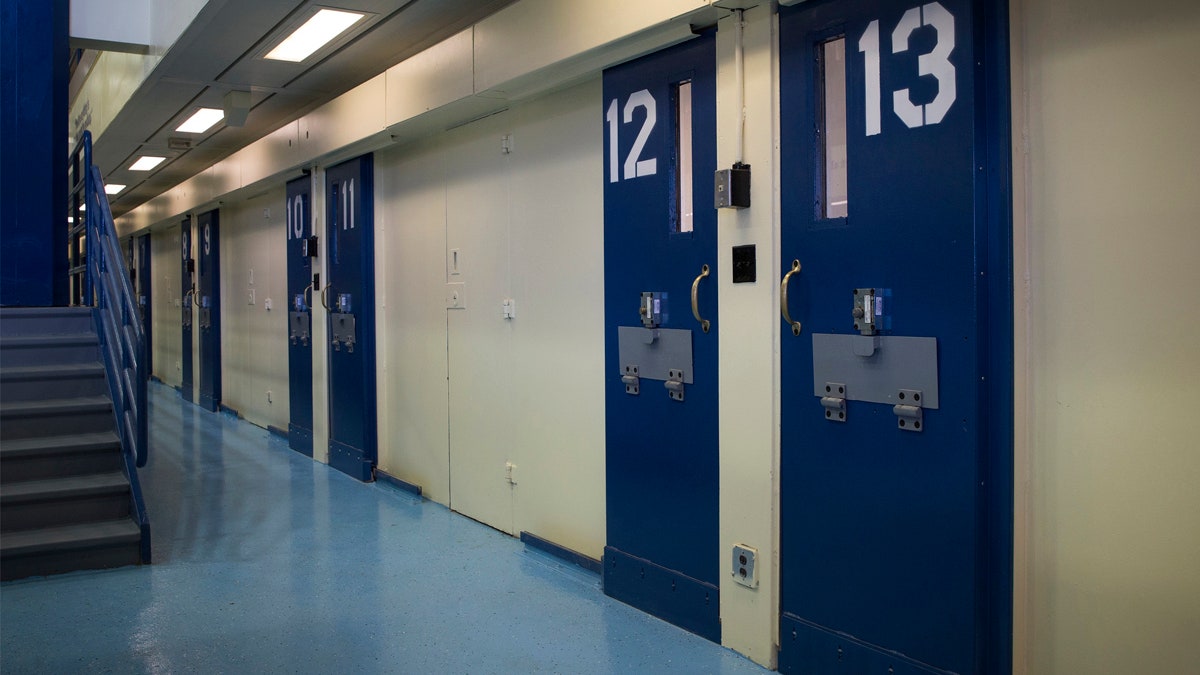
{"points": [[155, 378], [806, 647], [574, 557], [230, 411], [691, 604], [282, 433], [397, 483]]}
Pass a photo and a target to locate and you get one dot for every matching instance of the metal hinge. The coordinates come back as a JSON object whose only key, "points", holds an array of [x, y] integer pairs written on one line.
{"points": [[630, 378], [909, 415], [834, 401], [674, 384]]}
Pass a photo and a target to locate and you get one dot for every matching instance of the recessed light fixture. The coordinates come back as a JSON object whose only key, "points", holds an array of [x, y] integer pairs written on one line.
{"points": [[146, 163], [201, 121], [317, 32], [113, 188]]}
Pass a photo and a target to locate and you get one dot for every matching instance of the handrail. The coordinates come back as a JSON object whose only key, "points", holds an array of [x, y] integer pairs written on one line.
{"points": [[95, 248]]}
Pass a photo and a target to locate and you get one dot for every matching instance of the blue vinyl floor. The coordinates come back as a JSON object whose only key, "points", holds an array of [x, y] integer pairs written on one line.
{"points": [[265, 561]]}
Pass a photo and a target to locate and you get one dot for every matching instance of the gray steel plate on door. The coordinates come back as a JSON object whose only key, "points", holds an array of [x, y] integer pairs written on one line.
{"points": [[896, 363], [655, 351]]}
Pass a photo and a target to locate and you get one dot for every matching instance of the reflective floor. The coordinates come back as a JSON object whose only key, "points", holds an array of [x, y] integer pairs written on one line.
{"points": [[268, 561]]}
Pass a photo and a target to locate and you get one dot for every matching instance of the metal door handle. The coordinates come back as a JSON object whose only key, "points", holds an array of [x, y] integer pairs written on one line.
{"points": [[189, 297], [783, 298], [308, 296], [325, 296], [704, 324]]}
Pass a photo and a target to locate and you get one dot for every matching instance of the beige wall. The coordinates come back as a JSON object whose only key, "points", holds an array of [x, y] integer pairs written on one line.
{"points": [[465, 391], [167, 311], [1110, 235], [254, 339]]}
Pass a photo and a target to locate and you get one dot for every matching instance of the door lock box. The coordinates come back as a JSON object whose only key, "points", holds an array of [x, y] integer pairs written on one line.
{"points": [[654, 309], [343, 331], [869, 311], [299, 324]]}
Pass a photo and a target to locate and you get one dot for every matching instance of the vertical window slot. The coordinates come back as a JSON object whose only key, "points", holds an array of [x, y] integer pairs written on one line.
{"points": [[834, 200], [683, 152]]}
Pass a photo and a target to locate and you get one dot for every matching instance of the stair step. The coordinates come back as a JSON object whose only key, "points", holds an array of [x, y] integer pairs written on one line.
{"points": [[32, 350], [62, 501], [51, 489], [52, 371], [37, 458], [84, 414], [30, 383], [45, 320], [54, 550]]}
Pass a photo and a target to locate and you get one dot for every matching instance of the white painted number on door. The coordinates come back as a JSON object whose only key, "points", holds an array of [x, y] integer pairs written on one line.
{"points": [[635, 166], [295, 218], [935, 63], [207, 239]]}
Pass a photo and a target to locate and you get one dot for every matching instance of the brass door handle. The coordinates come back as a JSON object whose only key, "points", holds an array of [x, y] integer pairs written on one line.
{"points": [[189, 297], [325, 296], [704, 323], [783, 298], [308, 296]]}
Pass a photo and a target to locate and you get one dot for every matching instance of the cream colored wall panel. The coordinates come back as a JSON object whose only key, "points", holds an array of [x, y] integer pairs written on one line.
{"points": [[557, 336], [254, 344], [482, 384], [533, 34], [1112, 213], [264, 158], [748, 328], [166, 305], [348, 119], [410, 268], [435, 77]]}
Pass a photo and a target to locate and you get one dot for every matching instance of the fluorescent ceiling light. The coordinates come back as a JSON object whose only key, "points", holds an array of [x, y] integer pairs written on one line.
{"points": [[113, 188], [201, 121], [317, 32], [147, 162]]}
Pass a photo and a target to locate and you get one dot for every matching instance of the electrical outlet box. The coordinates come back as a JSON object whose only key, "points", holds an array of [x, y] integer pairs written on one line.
{"points": [[456, 295], [732, 187], [745, 569]]}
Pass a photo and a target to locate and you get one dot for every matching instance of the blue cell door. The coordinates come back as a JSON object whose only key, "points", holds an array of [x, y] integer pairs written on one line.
{"points": [[142, 280], [660, 302], [300, 287], [895, 522], [349, 296], [208, 301], [188, 285]]}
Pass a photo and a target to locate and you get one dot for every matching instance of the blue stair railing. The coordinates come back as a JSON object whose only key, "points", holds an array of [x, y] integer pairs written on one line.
{"points": [[99, 279]]}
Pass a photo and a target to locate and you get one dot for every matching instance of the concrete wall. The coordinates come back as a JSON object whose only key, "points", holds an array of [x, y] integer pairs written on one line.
{"points": [[1107, 95]]}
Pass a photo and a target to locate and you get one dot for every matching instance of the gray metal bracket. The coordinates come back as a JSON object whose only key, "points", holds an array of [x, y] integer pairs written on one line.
{"points": [[343, 331], [631, 380], [300, 327], [674, 384], [909, 413], [834, 401]]}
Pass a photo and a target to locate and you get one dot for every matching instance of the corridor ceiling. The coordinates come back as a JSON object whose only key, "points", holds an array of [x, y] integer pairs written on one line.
{"points": [[221, 51]]}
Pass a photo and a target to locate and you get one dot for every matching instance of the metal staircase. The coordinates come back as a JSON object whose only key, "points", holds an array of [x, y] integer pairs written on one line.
{"points": [[73, 415], [65, 500]]}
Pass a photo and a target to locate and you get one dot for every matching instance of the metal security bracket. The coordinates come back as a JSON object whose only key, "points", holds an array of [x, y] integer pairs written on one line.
{"points": [[343, 331], [630, 379], [674, 384], [834, 401], [909, 415]]}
